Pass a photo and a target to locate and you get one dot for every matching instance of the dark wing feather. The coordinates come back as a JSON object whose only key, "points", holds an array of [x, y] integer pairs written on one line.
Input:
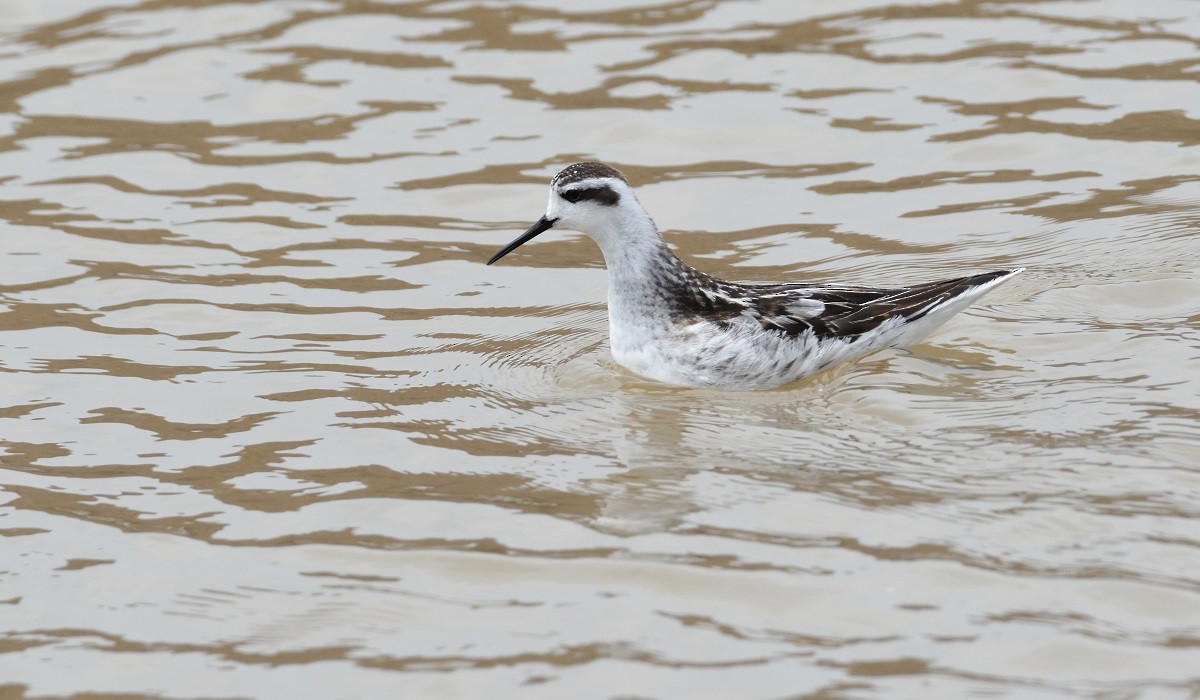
{"points": [[850, 311]]}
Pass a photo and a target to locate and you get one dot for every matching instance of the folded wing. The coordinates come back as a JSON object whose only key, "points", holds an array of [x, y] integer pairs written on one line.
{"points": [[848, 312]]}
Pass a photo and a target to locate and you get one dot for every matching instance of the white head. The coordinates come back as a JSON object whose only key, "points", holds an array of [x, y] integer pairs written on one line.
{"points": [[594, 199]]}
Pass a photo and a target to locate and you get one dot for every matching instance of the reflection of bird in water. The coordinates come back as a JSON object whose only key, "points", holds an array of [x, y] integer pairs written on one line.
{"points": [[673, 323]]}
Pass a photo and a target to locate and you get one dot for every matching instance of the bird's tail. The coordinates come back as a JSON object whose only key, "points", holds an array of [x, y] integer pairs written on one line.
{"points": [[952, 296]]}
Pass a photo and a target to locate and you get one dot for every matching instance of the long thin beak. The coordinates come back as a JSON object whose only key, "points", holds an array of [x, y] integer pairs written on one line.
{"points": [[543, 224]]}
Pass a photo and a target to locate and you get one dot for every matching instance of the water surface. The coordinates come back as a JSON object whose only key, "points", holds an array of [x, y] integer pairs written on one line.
{"points": [[269, 427]]}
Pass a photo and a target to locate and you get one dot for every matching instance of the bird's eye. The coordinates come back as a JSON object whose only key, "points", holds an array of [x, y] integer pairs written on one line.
{"points": [[571, 195]]}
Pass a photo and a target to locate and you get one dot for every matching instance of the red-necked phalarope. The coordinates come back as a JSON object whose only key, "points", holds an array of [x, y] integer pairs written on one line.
{"points": [[673, 323]]}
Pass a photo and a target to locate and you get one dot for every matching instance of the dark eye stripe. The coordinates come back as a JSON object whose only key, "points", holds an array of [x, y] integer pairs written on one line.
{"points": [[603, 195]]}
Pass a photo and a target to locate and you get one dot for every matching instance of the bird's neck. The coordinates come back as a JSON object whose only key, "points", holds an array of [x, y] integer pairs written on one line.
{"points": [[646, 280], [637, 257]]}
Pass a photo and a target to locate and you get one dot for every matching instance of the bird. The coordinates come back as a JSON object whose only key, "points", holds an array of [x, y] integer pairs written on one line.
{"points": [[674, 324]]}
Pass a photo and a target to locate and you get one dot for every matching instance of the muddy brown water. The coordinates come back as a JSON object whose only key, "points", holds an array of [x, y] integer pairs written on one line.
{"points": [[271, 429]]}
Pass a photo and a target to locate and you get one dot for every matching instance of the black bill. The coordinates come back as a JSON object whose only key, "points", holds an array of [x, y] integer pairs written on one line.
{"points": [[543, 224]]}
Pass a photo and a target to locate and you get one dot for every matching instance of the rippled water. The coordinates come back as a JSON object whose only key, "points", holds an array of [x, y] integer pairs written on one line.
{"points": [[271, 429]]}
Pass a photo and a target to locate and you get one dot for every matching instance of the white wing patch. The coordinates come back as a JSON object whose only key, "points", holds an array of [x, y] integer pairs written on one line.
{"points": [[805, 308], [800, 308]]}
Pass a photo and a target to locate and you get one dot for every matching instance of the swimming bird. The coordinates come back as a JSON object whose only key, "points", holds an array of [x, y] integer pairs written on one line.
{"points": [[673, 323]]}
